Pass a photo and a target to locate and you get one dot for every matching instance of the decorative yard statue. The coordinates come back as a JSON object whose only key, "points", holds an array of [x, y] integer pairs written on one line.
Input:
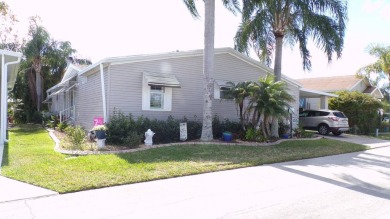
{"points": [[149, 137]]}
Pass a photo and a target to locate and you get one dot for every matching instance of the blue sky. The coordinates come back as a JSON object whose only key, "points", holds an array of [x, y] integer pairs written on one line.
{"points": [[100, 29]]}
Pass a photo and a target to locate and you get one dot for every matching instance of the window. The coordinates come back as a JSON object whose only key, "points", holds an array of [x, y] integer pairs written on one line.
{"points": [[221, 88], [157, 91], [156, 97], [223, 93]]}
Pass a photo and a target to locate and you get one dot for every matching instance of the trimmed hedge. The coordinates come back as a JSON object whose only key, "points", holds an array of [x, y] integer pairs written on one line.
{"points": [[121, 127]]}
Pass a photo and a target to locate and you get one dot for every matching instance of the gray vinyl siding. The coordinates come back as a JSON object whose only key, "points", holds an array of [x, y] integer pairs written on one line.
{"points": [[126, 87], [89, 102], [123, 84]]}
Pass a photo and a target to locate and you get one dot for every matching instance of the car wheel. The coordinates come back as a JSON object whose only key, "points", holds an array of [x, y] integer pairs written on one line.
{"points": [[337, 133], [323, 129]]}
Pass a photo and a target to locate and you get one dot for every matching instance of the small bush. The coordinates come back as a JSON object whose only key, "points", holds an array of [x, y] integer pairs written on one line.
{"points": [[252, 134], [133, 140], [62, 126], [76, 137]]}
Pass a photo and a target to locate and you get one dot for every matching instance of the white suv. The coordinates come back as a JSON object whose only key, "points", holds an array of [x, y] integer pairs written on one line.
{"points": [[324, 121]]}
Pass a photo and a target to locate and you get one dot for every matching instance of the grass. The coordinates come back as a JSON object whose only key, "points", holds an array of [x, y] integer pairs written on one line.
{"points": [[30, 157], [384, 136]]}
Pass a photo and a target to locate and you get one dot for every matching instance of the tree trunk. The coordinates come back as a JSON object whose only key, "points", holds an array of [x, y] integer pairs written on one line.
{"points": [[208, 70], [38, 85], [278, 77]]}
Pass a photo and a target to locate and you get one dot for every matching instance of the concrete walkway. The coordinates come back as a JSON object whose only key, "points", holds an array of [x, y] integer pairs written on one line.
{"points": [[351, 185], [12, 190]]}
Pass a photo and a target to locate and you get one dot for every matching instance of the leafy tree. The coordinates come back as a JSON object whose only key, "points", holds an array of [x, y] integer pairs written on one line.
{"points": [[269, 101], [208, 58], [266, 23], [9, 39], [361, 109]]}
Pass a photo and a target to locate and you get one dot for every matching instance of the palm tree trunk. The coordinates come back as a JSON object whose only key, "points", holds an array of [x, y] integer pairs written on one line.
{"points": [[37, 65], [208, 69], [278, 76]]}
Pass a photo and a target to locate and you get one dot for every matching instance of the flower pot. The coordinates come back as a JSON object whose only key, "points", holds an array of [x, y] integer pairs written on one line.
{"points": [[100, 134], [227, 136]]}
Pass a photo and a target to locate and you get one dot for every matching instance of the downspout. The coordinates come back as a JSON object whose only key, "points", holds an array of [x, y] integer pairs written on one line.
{"points": [[4, 94], [103, 93]]}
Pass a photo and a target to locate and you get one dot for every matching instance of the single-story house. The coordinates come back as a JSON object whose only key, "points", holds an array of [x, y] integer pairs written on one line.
{"points": [[155, 86], [9, 66], [334, 84]]}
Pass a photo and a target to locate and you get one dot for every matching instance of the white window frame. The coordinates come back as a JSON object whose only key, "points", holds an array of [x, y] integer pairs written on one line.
{"points": [[167, 102], [217, 91]]}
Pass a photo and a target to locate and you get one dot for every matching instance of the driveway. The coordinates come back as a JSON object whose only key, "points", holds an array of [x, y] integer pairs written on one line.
{"points": [[357, 139], [354, 185]]}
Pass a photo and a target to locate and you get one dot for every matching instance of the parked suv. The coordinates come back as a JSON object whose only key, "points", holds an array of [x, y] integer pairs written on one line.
{"points": [[324, 121]]}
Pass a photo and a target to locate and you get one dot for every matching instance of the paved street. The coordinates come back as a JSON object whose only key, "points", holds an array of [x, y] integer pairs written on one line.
{"points": [[352, 185]]}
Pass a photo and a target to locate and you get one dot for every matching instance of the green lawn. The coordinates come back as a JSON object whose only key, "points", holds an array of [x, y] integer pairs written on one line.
{"points": [[384, 136], [30, 157]]}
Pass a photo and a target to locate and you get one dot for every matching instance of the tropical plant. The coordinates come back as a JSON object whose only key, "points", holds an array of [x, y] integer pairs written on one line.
{"points": [[381, 65], [239, 92], [35, 51], [269, 102], [208, 58], [266, 23]]}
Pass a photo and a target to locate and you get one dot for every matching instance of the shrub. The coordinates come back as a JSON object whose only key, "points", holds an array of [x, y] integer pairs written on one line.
{"points": [[62, 126], [167, 131], [361, 109], [76, 137], [252, 134], [133, 140]]}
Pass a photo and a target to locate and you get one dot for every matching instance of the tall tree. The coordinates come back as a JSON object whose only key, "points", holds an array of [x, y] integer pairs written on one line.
{"points": [[208, 58], [266, 23], [381, 66], [36, 51]]}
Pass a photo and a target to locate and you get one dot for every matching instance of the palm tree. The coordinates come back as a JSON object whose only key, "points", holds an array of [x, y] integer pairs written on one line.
{"points": [[239, 92], [266, 23], [382, 65], [35, 51], [208, 58], [268, 102]]}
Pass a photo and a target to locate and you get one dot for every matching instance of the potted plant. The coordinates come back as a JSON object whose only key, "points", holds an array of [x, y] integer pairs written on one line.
{"points": [[100, 131]]}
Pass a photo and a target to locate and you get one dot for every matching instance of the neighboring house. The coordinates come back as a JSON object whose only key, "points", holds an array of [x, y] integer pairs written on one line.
{"points": [[154, 86], [334, 84], [9, 65]]}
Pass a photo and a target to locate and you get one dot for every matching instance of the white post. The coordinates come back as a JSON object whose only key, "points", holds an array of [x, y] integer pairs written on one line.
{"points": [[3, 99]]}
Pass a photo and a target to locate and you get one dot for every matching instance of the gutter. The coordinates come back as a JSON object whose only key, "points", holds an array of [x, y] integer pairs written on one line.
{"points": [[103, 93]]}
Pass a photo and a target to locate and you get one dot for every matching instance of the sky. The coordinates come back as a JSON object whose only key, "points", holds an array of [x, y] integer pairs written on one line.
{"points": [[101, 29]]}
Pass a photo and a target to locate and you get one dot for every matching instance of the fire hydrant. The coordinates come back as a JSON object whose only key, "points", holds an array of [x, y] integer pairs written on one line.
{"points": [[149, 137]]}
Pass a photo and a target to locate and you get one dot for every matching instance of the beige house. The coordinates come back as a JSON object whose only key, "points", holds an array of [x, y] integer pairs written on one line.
{"points": [[334, 84]]}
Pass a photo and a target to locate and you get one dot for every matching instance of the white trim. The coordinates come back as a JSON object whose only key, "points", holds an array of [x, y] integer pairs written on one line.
{"points": [[316, 92], [184, 54]]}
